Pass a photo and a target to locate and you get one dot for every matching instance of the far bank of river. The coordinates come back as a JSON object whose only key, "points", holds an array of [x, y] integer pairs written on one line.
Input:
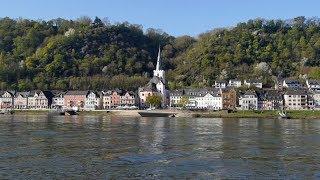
{"points": [[294, 114]]}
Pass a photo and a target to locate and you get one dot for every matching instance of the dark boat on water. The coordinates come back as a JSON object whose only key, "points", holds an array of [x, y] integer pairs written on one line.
{"points": [[155, 114]]}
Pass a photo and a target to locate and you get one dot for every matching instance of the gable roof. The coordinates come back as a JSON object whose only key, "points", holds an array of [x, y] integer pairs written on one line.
{"points": [[24, 94]]}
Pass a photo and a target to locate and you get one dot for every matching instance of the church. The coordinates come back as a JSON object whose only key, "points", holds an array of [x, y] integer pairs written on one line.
{"points": [[156, 86]]}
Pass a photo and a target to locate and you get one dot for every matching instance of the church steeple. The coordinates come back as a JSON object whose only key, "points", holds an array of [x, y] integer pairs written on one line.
{"points": [[158, 60]]}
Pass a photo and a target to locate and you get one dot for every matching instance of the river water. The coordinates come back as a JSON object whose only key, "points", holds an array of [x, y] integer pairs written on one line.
{"points": [[96, 147]]}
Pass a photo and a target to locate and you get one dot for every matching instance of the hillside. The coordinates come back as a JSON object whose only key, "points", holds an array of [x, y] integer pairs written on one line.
{"points": [[257, 49], [81, 54], [94, 54]]}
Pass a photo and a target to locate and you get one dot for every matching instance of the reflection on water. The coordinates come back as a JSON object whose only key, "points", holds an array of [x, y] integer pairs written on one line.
{"points": [[113, 147]]}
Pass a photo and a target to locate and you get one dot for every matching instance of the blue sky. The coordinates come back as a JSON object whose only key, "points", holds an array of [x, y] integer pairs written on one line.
{"points": [[177, 17]]}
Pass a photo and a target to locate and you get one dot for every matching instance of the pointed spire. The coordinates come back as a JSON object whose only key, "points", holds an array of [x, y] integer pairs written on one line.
{"points": [[158, 60]]}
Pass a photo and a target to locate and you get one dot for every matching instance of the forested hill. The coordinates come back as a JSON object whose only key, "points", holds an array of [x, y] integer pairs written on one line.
{"points": [[258, 49], [94, 54], [81, 54]]}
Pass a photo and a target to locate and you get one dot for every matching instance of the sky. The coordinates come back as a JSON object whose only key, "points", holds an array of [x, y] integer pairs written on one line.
{"points": [[176, 17]]}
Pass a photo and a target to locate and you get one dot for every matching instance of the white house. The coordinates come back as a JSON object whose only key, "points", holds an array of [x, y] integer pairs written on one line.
{"points": [[220, 84], [295, 99], [175, 97], [253, 83], [210, 100], [58, 100], [234, 83], [7, 100], [248, 101], [31, 100], [93, 101], [314, 96], [313, 85], [291, 84]]}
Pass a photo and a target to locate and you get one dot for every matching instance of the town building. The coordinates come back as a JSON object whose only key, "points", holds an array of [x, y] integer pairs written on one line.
{"points": [[315, 95], [7, 100], [118, 99], [128, 99], [278, 84], [248, 101], [295, 99], [209, 100], [270, 100], [253, 83], [58, 99], [106, 99], [234, 83], [313, 85], [43, 99], [21, 100], [291, 84], [144, 92], [313, 100], [175, 97], [75, 99], [31, 99], [220, 84], [229, 98], [93, 101]]}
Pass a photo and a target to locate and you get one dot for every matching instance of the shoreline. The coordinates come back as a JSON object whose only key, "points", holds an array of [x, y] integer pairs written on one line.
{"points": [[293, 114]]}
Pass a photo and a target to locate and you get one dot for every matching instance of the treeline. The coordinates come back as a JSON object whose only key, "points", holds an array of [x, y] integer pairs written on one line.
{"points": [[95, 54], [261, 49], [81, 54]]}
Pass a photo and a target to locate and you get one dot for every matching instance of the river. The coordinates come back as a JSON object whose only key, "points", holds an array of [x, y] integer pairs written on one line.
{"points": [[96, 147]]}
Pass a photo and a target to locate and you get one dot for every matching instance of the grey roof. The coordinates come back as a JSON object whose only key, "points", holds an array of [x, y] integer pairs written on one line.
{"points": [[77, 93], [200, 91], [296, 92], [292, 81], [253, 81], [178, 92], [313, 82], [156, 80], [149, 87]]}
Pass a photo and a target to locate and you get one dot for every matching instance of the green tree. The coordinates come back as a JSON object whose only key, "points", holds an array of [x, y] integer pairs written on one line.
{"points": [[154, 100], [184, 101]]}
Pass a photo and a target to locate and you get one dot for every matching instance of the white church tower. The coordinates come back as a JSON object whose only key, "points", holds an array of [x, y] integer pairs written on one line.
{"points": [[159, 73]]}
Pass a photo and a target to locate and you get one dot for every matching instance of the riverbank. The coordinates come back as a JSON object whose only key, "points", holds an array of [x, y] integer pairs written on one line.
{"points": [[297, 114], [293, 114], [46, 111]]}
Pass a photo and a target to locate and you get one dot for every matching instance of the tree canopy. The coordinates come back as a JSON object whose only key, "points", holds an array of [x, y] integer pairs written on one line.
{"points": [[95, 54]]}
